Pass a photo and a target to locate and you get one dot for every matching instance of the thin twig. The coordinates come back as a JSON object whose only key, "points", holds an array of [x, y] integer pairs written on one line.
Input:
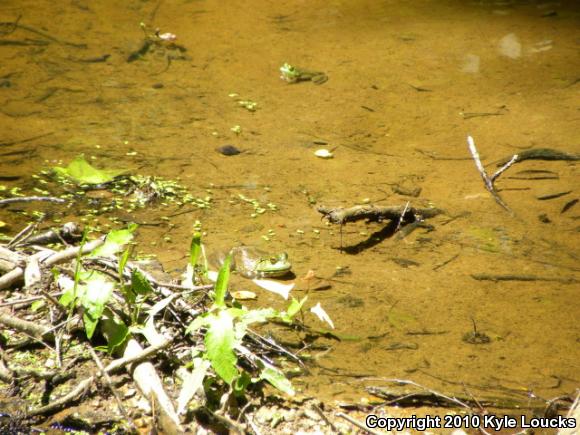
{"points": [[109, 382]]}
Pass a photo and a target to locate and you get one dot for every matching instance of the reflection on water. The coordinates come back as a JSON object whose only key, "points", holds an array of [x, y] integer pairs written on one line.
{"points": [[402, 78]]}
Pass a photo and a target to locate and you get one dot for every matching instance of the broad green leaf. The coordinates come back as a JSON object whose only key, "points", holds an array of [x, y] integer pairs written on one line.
{"points": [[139, 283], [117, 334], [114, 242], [81, 171], [114, 330], [221, 286], [98, 291], [195, 249], [219, 345], [90, 324], [276, 378]]}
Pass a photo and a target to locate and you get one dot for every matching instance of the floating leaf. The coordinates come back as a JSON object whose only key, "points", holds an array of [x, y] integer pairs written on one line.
{"points": [[219, 344], [82, 172]]}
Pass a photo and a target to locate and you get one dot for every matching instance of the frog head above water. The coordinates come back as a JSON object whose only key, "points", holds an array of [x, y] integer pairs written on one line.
{"points": [[252, 263], [272, 266]]}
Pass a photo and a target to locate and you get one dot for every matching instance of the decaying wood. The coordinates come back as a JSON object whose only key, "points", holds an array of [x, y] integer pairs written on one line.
{"points": [[151, 386], [33, 329], [10, 259], [375, 213], [17, 274]]}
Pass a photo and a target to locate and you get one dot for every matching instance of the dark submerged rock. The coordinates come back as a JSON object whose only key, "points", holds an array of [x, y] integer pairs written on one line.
{"points": [[228, 150]]}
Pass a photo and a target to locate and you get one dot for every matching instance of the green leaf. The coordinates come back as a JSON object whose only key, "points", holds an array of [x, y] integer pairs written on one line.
{"points": [[139, 283], [221, 286], [118, 333], [114, 242], [37, 305], [195, 249], [123, 262], [241, 384], [219, 345], [276, 378], [98, 291], [246, 318], [82, 172], [293, 309]]}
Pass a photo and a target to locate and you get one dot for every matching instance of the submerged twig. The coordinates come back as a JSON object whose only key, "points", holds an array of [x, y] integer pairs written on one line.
{"points": [[32, 199], [487, 180]]}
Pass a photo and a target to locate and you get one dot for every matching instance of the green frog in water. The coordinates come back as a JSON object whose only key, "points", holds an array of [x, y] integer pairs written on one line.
{"points": [[252, 263], [292, 74]]}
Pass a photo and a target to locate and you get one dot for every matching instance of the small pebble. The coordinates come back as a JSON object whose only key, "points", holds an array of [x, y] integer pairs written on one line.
{"points": [[157, 86], [228, 150]]}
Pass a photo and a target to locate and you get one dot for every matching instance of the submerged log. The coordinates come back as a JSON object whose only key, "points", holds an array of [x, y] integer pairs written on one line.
{"points": [[376, 214]]}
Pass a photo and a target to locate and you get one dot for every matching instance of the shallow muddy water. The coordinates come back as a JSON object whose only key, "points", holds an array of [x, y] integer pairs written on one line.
{"points": [[408, 81]]}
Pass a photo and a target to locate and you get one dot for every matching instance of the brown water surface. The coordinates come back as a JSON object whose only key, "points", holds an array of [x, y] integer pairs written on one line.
{"points": [[408, 81]]}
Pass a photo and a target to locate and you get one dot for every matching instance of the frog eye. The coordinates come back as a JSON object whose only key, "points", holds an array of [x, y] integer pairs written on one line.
{"points": [[273, 260]]}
